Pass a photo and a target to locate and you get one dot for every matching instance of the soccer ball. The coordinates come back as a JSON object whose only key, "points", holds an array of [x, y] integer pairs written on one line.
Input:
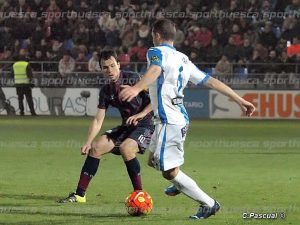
{"points": [[139, 203]]}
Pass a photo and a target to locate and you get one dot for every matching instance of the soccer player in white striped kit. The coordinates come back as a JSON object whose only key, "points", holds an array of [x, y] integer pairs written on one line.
{"points": [[168, 73]]}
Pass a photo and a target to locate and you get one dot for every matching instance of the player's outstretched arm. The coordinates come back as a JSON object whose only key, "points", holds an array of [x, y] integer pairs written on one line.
{"points": [[137, 117], [129, 92], [93, 130], [247, 107]]}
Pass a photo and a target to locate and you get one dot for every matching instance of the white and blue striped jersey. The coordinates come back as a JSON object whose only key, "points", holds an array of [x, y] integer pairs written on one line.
{"points": [[166, 93]]}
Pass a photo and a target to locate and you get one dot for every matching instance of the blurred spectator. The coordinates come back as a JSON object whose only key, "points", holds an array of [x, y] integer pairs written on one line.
{"points": [[22, 6], [253, 7], [280, 4], [37, 35], [57, 30], [81, 36], [240, 70], [52, 11], [236, 35], [57, 49], [215, 10], [221, 35], [267, 37], [69, 7], [245, 52], [81, 63], [272, 61], [96, 4], [6, 55], [37, 6], [203, 35], [6, 6], [80, 48], [214, 52], [233, 7], [173, 6], [293, 48], [244, 25], [251, 35], [272, 68], [223, 67], [266, 9], [186, 47], [124, 59], [286, 63], [262, 52], [97, 37], [126, 6], [51, 64], [294, 8], [39, 58], [281, 46], [120, 22], [194, 57], [128, 36], [256, 67], [198, 47], [231, 50], [144, 33], [138, 52], [179, 39], [290, 28], [105, 22], [22, 30], [66, 64], [84, 7], [112, 36], [93, 64]]}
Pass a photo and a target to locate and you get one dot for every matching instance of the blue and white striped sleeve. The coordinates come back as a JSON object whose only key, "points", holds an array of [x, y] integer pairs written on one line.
{"points": [[154, 57], [197, 76]]}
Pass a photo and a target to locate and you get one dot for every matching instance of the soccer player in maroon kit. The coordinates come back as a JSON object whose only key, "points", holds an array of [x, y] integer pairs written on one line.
{"points": [[131, 137]]}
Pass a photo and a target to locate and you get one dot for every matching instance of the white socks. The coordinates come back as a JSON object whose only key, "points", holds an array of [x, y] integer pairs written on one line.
{"points": [[189, 187]]}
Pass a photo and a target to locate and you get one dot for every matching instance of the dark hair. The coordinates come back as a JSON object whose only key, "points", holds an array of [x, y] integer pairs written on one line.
{"points": [[106, 54], [166, 28], [67, 52]]}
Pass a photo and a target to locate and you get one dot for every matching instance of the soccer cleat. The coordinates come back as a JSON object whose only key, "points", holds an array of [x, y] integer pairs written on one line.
{"points": [[205, 211], [172, 190], [73, 198]]}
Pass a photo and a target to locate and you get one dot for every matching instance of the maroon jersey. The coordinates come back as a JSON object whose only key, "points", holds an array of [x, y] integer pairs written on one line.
{"points": [[109, 96]]}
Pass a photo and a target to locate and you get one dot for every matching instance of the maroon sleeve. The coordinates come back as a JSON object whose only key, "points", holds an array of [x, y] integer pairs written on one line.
{"points": [[103, 98]]}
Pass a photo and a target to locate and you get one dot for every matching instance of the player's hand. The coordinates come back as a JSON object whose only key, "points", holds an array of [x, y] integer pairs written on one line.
{"points": [[247, 107], [85, 149], [128, 93], [133, 120]]}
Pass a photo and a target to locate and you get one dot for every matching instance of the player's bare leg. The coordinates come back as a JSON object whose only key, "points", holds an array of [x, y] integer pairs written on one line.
{"points": [[100, 146], [128, 150], [188, 186]]}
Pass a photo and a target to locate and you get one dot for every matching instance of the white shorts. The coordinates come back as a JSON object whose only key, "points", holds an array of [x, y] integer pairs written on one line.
{"points": [[167, 146]]}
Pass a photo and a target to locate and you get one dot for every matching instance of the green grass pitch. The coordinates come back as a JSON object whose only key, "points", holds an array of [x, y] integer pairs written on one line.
{"points": [[247, 165]]}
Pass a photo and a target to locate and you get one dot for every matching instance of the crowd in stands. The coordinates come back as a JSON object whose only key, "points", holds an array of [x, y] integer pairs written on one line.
{"points": [[71, 32]]}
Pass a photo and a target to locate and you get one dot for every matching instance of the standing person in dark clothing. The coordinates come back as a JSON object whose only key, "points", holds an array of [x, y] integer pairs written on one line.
{"points": [[22, 73], [131, 137]]}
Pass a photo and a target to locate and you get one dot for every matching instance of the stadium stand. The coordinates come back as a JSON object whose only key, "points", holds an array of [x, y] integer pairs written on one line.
{"points": [[251, 34]]}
